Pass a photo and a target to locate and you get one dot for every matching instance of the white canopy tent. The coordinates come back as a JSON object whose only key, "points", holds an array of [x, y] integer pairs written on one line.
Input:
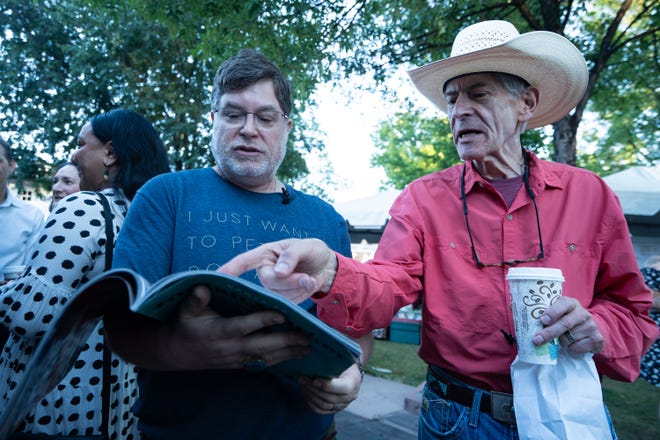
{"points": [[366, 219], [638, 189], [368, 212]]}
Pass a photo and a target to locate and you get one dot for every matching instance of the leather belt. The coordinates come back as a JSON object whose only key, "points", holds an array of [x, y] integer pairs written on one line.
{"points": [[498, 405]]}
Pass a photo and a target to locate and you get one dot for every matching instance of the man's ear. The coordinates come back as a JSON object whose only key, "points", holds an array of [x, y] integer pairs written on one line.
{"points": [[110, 158], [530, 101]]}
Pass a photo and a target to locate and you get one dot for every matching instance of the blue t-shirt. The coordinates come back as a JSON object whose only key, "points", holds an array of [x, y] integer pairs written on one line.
{"points": [[196, 220]]}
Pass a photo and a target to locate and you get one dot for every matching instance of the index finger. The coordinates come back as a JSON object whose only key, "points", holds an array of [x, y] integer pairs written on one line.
{"points": [[252, 259], [557, 319], [245, 325], [558, 310], [266, 254]]}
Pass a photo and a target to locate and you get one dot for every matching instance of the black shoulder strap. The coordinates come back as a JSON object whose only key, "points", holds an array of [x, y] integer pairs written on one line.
{"points": [[109, 231], [107, 358]]}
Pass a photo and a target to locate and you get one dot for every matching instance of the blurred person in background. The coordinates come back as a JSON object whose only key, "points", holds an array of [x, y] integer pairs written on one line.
{"points": [[65, 181], [650, 370], [20, 221]]}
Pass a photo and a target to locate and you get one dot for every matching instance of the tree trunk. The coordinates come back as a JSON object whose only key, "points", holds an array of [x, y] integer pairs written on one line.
{"points": [[565, 140], [565, 130]]}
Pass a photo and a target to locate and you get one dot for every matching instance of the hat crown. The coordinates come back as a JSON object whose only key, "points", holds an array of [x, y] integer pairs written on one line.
{"points": [[546, 60], [483, 35]]}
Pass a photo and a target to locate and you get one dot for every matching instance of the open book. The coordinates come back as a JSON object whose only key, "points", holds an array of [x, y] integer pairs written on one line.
{"points": [[330, 351]]}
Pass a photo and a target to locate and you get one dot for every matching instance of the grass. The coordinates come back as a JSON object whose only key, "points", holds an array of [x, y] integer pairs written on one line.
{"points": [[634, 406], [398, 362]]}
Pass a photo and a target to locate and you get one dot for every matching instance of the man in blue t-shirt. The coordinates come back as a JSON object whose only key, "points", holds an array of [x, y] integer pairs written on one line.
{"points": [[197, 378]]}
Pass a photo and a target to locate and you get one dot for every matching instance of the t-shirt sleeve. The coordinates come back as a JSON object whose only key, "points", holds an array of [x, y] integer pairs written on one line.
{"points": [[145, 241]]}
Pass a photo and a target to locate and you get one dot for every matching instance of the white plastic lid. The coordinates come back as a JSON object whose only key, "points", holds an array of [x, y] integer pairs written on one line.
{"points": [[534, 273]]}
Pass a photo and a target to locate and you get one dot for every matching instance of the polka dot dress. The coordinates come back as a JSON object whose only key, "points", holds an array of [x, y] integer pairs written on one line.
{"points": [[650, 370], [70, 251]]}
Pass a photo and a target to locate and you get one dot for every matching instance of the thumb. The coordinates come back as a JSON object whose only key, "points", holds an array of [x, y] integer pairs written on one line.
{"points": [[195, 304]]}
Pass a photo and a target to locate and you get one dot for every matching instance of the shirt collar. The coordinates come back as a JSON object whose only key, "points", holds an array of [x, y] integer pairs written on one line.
{"points": [[11, 199], [540, 176]]}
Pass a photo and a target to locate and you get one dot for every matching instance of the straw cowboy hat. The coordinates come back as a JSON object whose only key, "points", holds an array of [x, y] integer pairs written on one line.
{"points": [[545, 60]]}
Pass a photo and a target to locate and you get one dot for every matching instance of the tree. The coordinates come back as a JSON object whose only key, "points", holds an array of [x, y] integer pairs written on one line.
{"points": [[411, 146], [66, 60], [618, 39]]}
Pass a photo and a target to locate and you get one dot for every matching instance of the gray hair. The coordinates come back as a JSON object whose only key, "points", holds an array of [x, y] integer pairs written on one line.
{"points": [[513, 84]]}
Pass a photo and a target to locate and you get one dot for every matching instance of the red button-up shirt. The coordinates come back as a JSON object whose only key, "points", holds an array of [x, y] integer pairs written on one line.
{"points": [[425, 252]]}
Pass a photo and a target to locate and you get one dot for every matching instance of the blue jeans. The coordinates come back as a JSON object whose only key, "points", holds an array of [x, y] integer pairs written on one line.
{"points": [[444, 419]]}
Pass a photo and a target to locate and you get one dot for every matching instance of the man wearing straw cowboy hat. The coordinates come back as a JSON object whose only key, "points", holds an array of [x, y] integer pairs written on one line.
{"points": [[454, 233]]}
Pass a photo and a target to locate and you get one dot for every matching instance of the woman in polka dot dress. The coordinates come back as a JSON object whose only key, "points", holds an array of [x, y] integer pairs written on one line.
{"points": [[117, 152], [650, 369]]}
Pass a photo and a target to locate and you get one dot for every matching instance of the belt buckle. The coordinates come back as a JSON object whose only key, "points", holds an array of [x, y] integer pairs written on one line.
{"points": [[501, 407]]}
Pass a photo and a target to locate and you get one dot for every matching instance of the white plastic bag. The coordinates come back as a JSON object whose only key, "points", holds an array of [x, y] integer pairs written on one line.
{"points": [[562, 401]]}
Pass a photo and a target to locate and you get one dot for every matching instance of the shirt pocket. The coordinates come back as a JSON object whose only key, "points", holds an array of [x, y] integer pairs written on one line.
{"points": [[458, 294]]}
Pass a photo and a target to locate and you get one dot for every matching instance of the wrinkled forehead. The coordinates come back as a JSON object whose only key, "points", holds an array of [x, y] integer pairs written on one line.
{"points": [[470, 80]]}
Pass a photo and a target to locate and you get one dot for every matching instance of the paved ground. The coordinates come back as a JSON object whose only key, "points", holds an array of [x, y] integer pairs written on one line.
{"points": [[383, 410], [401, 425]]}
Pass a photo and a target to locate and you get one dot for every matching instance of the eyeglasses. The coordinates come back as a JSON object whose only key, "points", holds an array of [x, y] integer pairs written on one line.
{"points": [[536, 210], [264, 119]]}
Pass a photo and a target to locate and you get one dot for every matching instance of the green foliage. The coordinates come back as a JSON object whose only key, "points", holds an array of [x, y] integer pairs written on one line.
{"points": [[626, 96], [67, 60], [412, 146]]}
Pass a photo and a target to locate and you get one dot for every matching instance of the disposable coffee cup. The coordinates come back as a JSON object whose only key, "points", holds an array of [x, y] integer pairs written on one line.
{"points": [[533, 290], [13, 272]]}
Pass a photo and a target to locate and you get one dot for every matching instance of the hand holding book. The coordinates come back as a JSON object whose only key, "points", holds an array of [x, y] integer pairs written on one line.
{"points": [[245, 341]]}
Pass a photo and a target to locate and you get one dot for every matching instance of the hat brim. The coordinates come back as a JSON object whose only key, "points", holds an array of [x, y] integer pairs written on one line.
{"points": [[544, 59]]}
